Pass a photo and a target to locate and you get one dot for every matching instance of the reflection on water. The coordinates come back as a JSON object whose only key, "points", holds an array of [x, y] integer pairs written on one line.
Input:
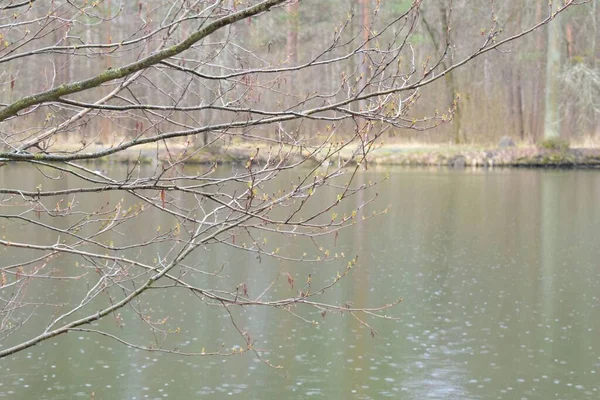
{"points": [[500, 275]]}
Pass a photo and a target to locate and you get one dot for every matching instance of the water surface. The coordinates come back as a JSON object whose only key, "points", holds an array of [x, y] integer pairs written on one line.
{"points": [[500, 275]]}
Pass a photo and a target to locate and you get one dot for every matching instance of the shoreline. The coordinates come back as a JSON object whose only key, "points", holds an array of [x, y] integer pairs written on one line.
{"points": [[385, 155], [515, 157]]}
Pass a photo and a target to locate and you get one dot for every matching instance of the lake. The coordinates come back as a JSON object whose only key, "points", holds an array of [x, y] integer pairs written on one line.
{"points": [[499, 271]]}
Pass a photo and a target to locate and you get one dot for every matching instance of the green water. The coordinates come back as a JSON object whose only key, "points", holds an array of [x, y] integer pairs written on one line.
{"points": [[499, 272]]}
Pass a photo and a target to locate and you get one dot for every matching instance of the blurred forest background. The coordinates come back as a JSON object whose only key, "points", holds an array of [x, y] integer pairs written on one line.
{"points": [[553, 72]]}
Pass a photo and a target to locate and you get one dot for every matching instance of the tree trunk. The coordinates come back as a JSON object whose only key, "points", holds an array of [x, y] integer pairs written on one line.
{"points": [[551, 100], [452, 88], [459, 136], [517, 91], [595, 45], [457, 133], [292, 36], [537, 87], [292, 55], [365, 19], [519, 104], [567, 129]]}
